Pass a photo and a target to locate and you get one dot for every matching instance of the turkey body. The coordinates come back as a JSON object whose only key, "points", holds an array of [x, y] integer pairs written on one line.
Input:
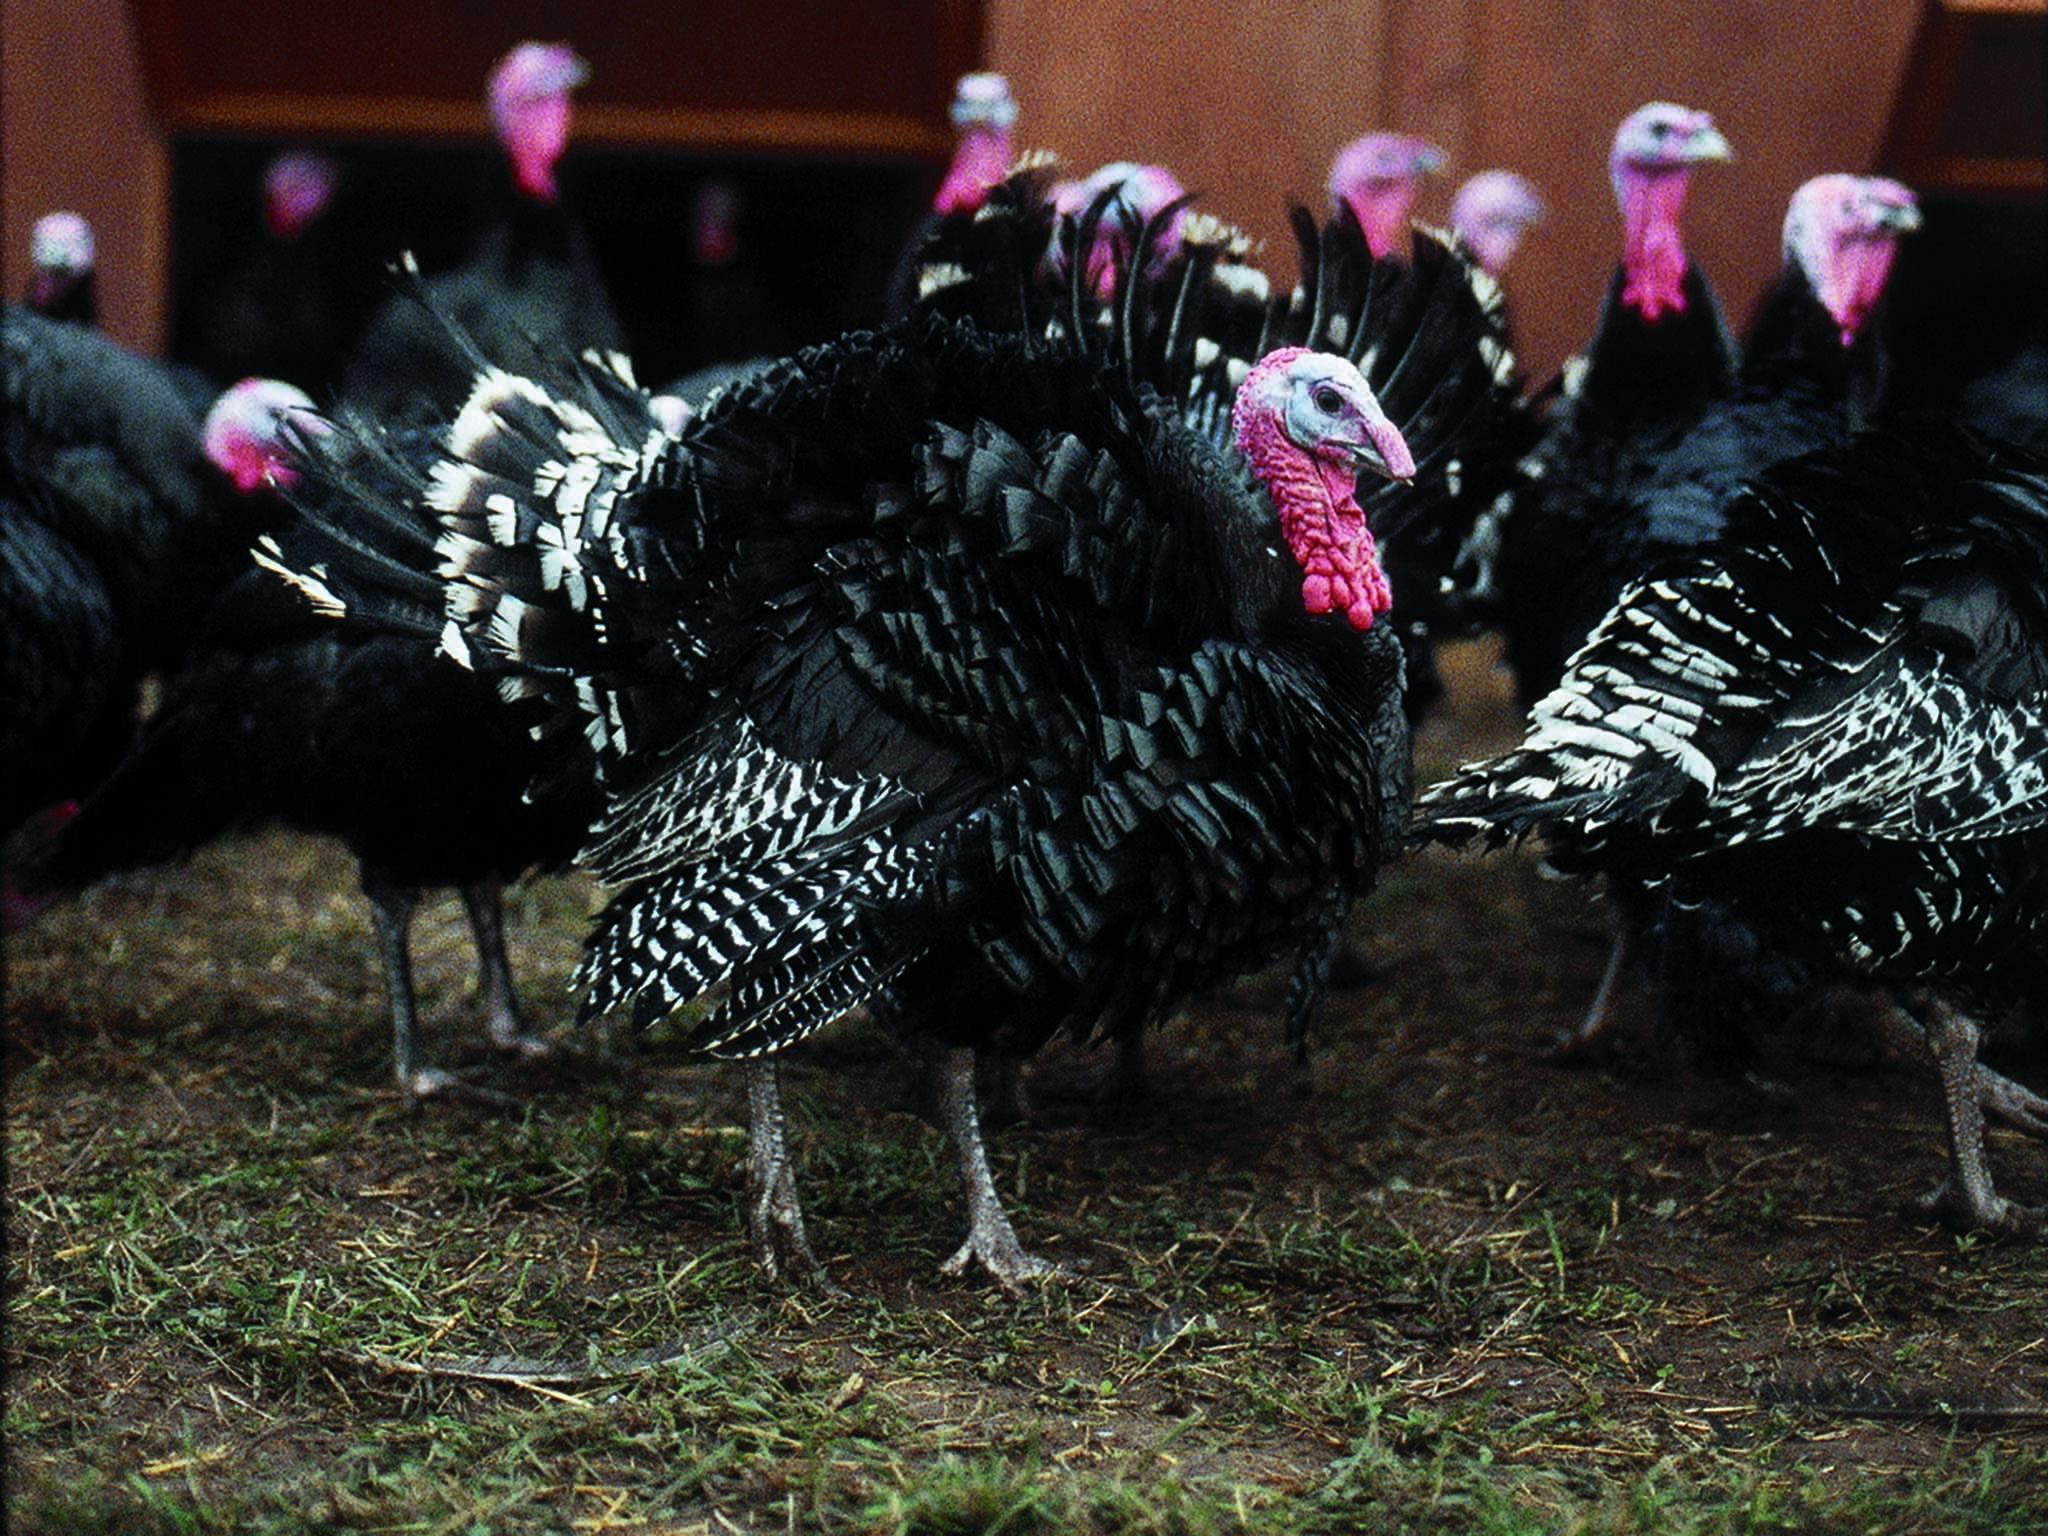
{"points": [[70, 701], [418, 768], [1798, 389], [117, 535], [1834, 722], [292, 309], [899, 575], [1574, 533], [531, 290], [935, 669]]}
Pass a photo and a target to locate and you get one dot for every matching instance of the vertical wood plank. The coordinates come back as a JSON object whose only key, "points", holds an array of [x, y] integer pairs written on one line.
{"points": [[1244, 102], [75, 133]]}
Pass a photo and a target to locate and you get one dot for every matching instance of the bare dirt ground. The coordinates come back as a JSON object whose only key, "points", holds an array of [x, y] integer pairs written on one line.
{"points": [[1440, 1284]]}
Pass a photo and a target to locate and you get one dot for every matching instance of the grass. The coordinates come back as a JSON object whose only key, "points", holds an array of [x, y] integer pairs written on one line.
{"points": [[1453, 1288]]}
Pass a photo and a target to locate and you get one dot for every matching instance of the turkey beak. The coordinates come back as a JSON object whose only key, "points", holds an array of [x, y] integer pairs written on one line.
{"points": [[1366, 457], [1896, 218], [1708, 144]]}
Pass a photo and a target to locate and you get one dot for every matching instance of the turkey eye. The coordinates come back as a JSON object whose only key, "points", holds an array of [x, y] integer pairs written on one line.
{"points": [[1328, 400]]}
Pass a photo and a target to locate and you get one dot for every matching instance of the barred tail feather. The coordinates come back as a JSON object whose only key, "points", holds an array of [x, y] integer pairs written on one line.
{"points": [[787, 935]]}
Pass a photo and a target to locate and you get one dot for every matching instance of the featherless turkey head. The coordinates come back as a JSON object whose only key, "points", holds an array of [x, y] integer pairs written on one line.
{"points": [[1308, 424], [1490, 214], [297, 187], [251, 431], [529, 104], [1651, 164], [61, 251], [1378, 176], [1141, 191], [1843, 232], [983, 113]]}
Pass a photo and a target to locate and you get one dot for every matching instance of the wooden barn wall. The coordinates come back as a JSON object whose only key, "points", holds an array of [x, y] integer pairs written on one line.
{"points": [[1244, 100], [75, 133]]}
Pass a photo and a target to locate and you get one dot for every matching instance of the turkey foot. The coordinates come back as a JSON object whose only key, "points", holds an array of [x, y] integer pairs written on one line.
{"points": [[990, 1237], [775, 1218], [1601, 1014], [1965, 1201], [486, 906]]}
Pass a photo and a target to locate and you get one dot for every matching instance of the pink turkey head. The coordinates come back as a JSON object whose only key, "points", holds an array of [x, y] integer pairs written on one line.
{"points": [[61, 251], [249, 432], [1141, 191], [529, 105], [1307, 423], [1843, 232], [1490, 214], [983, 114], [1655, 150], [297, 187], [1377, 176]]}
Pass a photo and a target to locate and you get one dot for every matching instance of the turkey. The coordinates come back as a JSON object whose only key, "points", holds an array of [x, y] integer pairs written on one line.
{"points": [[947, 669], [1377, 177], [114, 534], [1835, 722], [118, 532], [292, 307], [66, 287], [1659, 356], [732, 318], [531, 284], [278, 719], [1490, 213], [1811, 376], [1476, 420], [63, 260], [1539, 556]]}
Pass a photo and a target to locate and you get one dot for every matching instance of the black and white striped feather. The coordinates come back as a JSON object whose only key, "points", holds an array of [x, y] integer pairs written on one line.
{"points": [[1848, 699]]}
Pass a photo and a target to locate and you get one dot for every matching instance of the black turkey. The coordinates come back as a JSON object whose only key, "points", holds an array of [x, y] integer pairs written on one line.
{"points": [[1834, 723], [532, 286], [944, 669]]}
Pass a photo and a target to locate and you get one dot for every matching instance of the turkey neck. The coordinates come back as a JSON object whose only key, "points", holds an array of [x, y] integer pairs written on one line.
{"points": [[1653, 252], [1795, 348], [980, 160], [76, 300], [1639, 370]]}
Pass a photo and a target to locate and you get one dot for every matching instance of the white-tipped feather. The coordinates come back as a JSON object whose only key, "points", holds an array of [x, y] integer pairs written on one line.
{"points": [[937, 276], [478, 418], [310, 583], [501, 517], [450, 484], [453, 644]]}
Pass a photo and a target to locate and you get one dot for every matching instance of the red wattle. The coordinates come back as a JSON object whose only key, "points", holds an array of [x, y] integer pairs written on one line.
{"points": [[1320, 518], [1653, 256], [980, 161]]}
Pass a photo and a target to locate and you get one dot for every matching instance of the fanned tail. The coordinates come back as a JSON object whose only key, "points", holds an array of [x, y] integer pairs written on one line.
{"points": [[494, 532]]}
